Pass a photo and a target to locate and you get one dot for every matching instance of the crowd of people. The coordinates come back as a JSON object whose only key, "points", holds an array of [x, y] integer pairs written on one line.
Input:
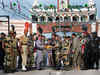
{"points": [[37, 51]]}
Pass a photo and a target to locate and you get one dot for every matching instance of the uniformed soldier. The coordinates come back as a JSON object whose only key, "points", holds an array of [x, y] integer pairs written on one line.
{"points": [[9, 54], [53, 44], [58, 47], [30, 52], [76, 51], [66, 50], [93, 52], [24, 50], [2, 53], [83, 41], [15, 51]]}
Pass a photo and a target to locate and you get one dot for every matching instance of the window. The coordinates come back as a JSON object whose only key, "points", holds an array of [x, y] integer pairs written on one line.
{"points": [[50, 19], [42, 18], [92, 17], [57, 19], [34, 18], [83, 18], [67, 18]]}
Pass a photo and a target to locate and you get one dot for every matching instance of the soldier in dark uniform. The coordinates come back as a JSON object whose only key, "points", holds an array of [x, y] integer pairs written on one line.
{"points": [[53, 44], [93, 52], [97, 51], [2, 53], [86, 52]]}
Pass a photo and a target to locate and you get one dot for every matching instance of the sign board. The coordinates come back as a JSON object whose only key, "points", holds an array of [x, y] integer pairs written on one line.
{"points": [[93, 27], [34, 27]]}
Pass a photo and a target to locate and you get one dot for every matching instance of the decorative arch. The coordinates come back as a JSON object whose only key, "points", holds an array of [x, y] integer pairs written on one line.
{"points": [[50, 19], [42, 18], [34, 18], [75, 18], [57, 19], [84, 18], [92, 17], [61, 18], [67, 18]]}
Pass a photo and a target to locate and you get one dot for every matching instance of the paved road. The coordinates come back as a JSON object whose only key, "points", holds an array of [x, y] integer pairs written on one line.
{"points": [[52, 72]]}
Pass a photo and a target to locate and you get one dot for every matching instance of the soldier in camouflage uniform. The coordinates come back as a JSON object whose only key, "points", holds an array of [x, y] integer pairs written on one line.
{"points": [[58, 47], [9, 54], [66, 50], [15, 51], [30, 52]]}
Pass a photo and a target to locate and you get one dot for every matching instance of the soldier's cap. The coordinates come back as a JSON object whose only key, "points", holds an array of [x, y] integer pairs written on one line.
{"points": [[68, 36], [3, 33], [74, 34]]}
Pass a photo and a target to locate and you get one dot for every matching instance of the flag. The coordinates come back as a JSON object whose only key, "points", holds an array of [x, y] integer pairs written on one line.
{"points": [[3, 4], [19, 8], [11, 4]]}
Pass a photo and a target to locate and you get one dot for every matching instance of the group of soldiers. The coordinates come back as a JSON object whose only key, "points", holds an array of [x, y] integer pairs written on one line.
{"points": [[37, 51]]}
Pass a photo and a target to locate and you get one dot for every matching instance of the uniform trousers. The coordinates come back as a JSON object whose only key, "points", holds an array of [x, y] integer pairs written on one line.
{"points": [[24, 55]]}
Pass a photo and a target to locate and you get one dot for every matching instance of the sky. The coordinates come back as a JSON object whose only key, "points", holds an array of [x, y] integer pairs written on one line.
{"points": [[98, 7]]}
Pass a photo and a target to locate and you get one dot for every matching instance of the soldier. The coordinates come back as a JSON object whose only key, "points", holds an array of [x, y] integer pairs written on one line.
{"points": [[58, 47], [53, 44], [66, 48], [2, 53], [93, 52], [15, 51], [83, 41], [76, 50], [30, 52], [24, 50], [9, 54], [86, 51], [49, 50], [39, 56]]}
